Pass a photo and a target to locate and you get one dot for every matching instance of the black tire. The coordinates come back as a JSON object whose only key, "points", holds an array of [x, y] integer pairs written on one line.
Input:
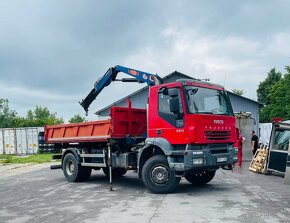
{"points": [[73, 171], [87, 171], [116, 172], [158, 177], [200, 179]]}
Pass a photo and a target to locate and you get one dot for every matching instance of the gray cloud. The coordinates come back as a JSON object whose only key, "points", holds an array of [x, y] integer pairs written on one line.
{"points": [[52, 52]]}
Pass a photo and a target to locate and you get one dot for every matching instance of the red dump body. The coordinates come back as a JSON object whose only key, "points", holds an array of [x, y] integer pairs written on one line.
{"points": [[122, 122]]}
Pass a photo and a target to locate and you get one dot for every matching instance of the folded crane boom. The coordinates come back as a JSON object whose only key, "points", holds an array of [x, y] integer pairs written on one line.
{"points": [[110, 76]]}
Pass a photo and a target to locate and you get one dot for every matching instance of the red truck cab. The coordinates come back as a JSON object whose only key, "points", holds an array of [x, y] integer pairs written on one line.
{"points": [[193, 123]]}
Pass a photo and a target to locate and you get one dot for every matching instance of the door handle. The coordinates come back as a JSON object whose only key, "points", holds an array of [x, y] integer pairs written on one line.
{"points": [[158, 131]]}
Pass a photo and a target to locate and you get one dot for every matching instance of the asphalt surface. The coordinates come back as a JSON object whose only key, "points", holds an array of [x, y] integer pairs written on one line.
{"points": [[43, 195]]}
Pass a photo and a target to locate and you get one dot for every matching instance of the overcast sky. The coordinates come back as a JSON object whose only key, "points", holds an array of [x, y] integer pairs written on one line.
{"points": [[52, 52]]}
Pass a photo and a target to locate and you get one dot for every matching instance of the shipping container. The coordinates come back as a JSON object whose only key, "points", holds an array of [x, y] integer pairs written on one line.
{"points": [[19, 141], [2, 144], [9, 141]]}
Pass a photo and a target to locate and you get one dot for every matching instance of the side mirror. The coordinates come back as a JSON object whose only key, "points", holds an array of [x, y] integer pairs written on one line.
{"points": [[163, 90], [173, 92], [174, 105]]}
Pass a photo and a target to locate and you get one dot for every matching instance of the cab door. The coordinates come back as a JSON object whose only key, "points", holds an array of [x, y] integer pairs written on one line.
{"points": [[169, 124]]}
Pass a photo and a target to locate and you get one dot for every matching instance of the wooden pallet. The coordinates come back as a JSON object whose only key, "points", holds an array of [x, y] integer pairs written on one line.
{"points": [[259, 162]]}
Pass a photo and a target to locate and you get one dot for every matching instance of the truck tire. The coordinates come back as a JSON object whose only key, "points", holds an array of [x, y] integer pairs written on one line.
{"points": [[200, 179], [87, 171], [116, 172], [71, 169], [158, 177]]}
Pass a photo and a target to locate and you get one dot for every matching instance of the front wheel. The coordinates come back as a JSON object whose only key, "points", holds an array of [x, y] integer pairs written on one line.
{"points": [[200, 179], [158, 177]]}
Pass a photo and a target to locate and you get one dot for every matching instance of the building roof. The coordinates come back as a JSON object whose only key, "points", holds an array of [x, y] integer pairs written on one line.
{"points": [[164, 80], [240, 96]]}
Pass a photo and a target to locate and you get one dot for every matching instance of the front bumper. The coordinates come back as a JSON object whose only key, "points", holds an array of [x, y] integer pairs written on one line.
{"points": [[210, 157]]}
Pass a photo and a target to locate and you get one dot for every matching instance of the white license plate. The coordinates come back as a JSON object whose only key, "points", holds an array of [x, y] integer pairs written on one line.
{"points": [[221, 159]]}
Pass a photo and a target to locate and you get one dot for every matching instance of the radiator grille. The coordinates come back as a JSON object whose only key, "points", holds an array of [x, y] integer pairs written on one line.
{"points": [[217, 135]]}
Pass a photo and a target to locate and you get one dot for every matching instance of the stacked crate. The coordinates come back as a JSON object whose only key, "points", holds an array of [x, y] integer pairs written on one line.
{"points": [[259, 161]]}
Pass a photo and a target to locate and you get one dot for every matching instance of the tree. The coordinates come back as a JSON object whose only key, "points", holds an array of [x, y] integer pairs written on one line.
{"points": [[280, 98], [41, 116], [7, 116], [278, 104], [77, 118], [238, 91], [265, 86]]}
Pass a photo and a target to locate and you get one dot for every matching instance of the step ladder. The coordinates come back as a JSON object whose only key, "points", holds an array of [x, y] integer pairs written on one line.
{"points": [[99, 156]]}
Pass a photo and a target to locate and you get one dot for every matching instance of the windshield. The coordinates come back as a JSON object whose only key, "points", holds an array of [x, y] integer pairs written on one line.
{"points": [[207, 101], [281, 140]]}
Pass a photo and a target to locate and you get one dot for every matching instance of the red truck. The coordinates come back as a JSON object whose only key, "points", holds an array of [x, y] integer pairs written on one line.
{"points": [[187, 130]]}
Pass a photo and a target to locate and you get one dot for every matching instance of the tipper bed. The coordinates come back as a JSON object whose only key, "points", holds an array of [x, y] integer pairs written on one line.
{"points": [[121, 123]]}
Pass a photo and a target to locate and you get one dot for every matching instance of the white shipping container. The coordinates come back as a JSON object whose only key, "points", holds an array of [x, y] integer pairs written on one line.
{"points": [[9, 141], [20, 141], [1, 142], [32, 138]]}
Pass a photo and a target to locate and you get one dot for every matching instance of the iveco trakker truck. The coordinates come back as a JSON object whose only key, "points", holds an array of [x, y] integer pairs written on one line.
{"points": [[188, 130]]}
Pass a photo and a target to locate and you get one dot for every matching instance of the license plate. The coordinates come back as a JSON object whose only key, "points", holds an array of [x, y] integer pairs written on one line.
{"points": [[221, 159]]}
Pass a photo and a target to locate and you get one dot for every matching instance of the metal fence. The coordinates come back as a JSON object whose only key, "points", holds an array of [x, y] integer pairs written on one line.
{"points": [[19, 141]]}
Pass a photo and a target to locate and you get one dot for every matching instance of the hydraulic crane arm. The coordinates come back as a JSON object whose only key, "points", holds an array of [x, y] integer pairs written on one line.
{"points": [[111, 74]]}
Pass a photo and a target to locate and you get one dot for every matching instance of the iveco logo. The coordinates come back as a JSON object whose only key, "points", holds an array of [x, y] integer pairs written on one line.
{"points": [[218, 122]]}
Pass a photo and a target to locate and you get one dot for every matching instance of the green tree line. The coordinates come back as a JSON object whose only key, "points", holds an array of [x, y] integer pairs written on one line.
{"points": [[37, 117], [274, 95]]}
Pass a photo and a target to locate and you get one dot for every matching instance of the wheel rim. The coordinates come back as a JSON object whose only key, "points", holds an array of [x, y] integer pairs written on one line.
{"points": [[159, 175], [70, 167]]}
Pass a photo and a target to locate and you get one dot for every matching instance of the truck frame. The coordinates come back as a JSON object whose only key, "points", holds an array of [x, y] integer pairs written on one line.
{"points": [[187, 130]]}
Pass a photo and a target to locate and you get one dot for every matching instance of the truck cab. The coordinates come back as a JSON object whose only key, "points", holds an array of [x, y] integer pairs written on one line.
{"points": [[192, 123]]}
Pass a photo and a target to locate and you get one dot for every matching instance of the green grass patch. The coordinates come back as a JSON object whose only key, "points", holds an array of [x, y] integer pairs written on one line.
{"points": [[37, 158]]}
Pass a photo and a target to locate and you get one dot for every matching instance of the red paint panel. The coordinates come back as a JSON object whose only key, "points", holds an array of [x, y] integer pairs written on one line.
{"points": [[123, 121], [78, 132], [128, 121]]}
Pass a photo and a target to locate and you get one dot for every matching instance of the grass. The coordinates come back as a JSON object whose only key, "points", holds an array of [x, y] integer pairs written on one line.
{"points": [[37, 158]]}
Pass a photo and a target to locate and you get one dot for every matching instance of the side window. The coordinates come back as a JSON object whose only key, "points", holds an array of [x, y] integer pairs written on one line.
{"points": [[164, 103], [164, 110]]}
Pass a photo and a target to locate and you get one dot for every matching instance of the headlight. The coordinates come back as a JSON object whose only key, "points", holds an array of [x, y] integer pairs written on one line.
{"points": [[197, 152], [197, 161]]}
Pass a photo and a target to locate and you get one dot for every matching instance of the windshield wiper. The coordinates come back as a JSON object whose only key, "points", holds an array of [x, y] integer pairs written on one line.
{"points": [[205, 112], [221, 114]]}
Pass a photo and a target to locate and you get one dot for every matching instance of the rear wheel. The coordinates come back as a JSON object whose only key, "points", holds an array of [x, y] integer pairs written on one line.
{"points": [[73, 171], [200, 179], [116, 172], [157, 176], [87, 171], [71, 168]]}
